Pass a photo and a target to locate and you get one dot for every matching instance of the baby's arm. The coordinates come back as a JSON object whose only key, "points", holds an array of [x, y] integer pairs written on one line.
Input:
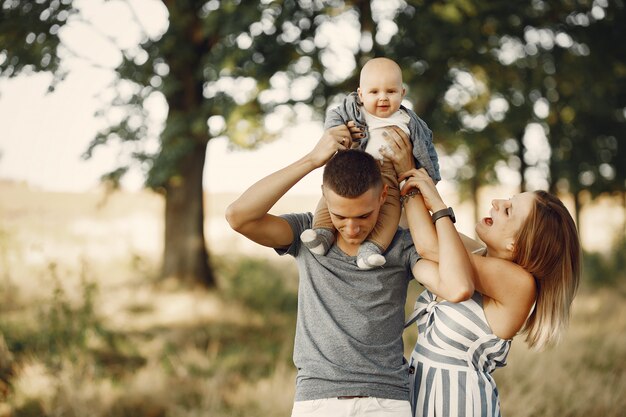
{"points": [[335, 117], [424, 150]]}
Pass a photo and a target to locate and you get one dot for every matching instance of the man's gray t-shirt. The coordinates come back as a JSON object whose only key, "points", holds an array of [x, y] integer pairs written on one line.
{"points": [[350, 321]]}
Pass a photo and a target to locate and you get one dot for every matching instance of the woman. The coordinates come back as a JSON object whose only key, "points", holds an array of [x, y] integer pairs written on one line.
{"points": [[525, 284]]}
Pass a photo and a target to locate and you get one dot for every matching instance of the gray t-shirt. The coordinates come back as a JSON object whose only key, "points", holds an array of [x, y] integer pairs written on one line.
{"points": [[350, 321]]}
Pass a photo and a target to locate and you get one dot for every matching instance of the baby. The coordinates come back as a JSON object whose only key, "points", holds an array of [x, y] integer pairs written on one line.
{"points": [[375, 105]]}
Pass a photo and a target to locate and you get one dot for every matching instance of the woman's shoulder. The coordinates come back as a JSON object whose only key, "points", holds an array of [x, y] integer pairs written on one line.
{"points": [[505, 265], [509, 294], [504, 280]]}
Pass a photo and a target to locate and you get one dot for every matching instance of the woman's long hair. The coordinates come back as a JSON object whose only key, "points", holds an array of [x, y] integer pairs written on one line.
{"points": [[549, 248]]}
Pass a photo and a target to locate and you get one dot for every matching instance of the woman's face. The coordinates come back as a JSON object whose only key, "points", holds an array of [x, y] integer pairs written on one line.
{"points": [[499, 231]]}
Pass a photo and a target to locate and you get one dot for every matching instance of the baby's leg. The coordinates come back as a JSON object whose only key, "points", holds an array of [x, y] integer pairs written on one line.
{"points": [[370, 252], [389, 216], [320, 238]]}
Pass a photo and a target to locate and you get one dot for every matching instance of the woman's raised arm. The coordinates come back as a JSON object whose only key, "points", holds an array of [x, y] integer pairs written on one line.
{"points": [[451, 278]]}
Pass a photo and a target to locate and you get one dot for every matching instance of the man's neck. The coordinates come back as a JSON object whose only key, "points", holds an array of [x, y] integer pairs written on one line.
{"points": [[346, 247]]}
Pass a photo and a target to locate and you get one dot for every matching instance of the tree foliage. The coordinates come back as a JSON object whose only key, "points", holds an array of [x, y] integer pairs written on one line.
{"points": [[588, 122], [480, 73], [29, 35]]}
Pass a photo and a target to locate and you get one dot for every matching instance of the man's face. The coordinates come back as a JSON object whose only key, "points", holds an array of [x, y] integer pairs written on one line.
{"points": [[354, 218]]}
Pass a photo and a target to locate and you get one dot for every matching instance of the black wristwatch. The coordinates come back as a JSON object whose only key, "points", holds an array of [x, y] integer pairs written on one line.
{"points": [[443, 213]]}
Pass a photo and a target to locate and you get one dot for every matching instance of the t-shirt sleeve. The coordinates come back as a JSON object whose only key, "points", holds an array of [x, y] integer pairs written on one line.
{"points": [[299, 222], [410, 254]]}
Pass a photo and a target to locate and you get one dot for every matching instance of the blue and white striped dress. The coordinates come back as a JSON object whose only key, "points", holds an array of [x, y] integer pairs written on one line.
{"points": [[452, 362]]}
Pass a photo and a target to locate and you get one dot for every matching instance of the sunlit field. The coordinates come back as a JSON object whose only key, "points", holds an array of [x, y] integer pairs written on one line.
{"points": [[86, 329]]}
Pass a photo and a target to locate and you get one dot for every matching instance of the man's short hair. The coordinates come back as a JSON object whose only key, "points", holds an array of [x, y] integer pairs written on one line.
{"points": [[351, 173]]}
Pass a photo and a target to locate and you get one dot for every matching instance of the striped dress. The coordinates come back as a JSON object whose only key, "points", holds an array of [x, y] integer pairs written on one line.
{"points": [[453, 359]]}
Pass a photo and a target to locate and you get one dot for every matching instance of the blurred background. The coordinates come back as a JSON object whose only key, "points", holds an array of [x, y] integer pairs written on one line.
{"points": [[128, 126]]}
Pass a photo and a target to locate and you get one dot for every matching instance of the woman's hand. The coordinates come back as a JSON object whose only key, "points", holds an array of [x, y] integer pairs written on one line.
{"points": [[398, 150], [419, 179]]}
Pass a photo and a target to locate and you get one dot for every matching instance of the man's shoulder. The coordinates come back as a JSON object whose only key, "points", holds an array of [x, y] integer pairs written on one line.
{"points": [[302, 215], [402, 233], [402, 241], [298, 220]]}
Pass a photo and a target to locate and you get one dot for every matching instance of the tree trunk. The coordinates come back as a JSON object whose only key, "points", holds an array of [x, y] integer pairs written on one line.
{"points": [[624, 209], [523, 165], [474, 187], [185, 255], [367, 25], [577, 208]]}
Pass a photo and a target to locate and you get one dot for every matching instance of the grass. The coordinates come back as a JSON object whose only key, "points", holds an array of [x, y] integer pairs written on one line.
{"points": [[65, 357], [585, 375], [93, 333]]}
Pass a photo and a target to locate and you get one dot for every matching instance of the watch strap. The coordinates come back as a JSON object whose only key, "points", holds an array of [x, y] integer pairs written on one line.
{"points": [[447, 212]]}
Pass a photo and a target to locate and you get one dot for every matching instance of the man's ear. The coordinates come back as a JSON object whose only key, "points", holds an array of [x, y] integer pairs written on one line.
{"points": [[383, 194]]}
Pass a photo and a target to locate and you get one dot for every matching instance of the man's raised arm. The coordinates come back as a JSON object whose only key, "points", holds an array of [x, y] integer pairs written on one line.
{"points": [[248, 214]]}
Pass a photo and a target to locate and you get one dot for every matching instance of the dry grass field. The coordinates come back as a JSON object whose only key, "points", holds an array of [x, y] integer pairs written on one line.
{"points": [[86, 329]]}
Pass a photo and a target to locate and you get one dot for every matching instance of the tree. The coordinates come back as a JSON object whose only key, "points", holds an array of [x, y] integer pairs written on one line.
{"points": [[203, 63], [588, 123], [212, 65], [29, 36], [533, 59], [445, 50], [477, 72], [568, 78]]}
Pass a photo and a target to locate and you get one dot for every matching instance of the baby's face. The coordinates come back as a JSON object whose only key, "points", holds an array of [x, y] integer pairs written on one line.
{"points": [[381, 90]]}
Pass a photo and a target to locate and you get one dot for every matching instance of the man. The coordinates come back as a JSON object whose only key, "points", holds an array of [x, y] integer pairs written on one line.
{"points": [[348, 346]]}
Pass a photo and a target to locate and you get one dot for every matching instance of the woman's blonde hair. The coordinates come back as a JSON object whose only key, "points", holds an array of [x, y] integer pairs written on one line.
{"points": [[549, 248]]}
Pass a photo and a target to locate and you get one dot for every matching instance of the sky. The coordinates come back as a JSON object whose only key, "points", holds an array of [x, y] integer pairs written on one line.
{"points": [[44, 136]]}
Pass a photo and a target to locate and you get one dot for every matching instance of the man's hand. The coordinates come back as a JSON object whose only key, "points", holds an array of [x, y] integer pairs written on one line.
{"points": [[334, 139], [355, 132]]}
